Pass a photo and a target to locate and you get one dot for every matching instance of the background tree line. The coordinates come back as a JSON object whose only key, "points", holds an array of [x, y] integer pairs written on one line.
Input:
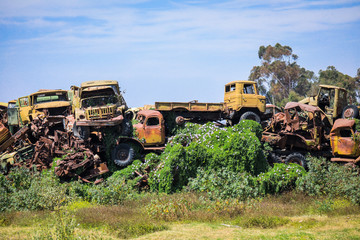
{"points": [[282, 80]]}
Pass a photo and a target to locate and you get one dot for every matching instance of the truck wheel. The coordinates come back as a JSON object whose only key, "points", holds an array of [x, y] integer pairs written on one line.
{"points": [[350, 111], [250, 116], [81, 132], [273, 158], [123, 154], [297, 158]]}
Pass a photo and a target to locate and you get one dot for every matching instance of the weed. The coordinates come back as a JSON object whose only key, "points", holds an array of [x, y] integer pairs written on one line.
{"points": [[261, 221]]}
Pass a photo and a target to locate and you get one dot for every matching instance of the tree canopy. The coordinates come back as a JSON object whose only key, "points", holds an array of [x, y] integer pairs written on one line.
{"points": [[281, 79], [331, 76]]}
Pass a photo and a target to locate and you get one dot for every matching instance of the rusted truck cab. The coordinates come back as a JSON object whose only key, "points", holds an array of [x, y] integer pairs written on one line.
{"points": [[242, 101], [97, 104], [345, 141], [151, 128]]}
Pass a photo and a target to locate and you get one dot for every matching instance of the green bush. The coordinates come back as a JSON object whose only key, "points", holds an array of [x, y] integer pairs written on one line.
{"points": [[225, 184], [22, 190], [282, 177], [331, 179], [237, 148]]}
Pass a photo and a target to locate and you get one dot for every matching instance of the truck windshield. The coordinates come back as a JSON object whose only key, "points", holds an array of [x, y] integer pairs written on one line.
{"points": [[99, 91], [99, 101], [50, 97]]}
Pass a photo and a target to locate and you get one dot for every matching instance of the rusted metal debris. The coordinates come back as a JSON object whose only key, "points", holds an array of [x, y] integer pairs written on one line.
{"points": [[76, 158]]}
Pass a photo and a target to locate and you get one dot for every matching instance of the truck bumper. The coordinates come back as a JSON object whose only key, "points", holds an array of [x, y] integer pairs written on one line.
{"points": [[101, 122]]}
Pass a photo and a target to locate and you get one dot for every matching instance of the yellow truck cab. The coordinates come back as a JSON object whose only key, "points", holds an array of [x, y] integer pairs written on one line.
{"points": [[96, 104], [242, 101], [150, 129], [54, 104], [345, 141], [332, 100]]}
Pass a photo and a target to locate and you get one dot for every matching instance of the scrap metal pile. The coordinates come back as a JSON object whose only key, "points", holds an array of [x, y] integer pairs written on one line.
{"points": [[37, 145]]}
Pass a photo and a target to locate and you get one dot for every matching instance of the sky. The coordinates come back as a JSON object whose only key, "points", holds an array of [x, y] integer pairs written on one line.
{"points": [[166, 50]]}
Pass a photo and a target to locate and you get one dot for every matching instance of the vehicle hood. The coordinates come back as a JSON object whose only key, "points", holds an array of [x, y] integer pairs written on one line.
{"points": [[52, 104]]}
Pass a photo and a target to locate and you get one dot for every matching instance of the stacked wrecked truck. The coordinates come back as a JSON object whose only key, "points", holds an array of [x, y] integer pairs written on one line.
{"points": [[40, 118]]}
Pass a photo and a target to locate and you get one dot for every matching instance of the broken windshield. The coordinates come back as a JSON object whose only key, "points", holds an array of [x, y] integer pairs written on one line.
{"points": [[99, 101]]}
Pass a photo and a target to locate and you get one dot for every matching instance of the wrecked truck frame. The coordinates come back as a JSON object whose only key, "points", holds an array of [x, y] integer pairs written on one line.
{"points": [[299, 130]]}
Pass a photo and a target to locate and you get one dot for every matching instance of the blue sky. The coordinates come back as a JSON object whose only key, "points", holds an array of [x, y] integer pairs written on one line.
{"points": [[166, 50]]}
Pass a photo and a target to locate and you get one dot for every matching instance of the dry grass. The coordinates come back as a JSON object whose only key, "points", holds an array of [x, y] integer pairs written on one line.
{"points": [[288, 216]]}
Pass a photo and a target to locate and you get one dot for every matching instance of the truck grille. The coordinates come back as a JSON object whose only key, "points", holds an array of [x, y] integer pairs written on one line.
{"points": [[100, 113]]}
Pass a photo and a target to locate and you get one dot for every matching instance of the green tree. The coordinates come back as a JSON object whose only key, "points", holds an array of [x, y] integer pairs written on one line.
{"points": [[331, 76], [280, 74]]}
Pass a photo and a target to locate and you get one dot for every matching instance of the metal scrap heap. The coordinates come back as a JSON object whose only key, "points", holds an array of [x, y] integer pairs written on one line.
{"points": [[74, 156]]}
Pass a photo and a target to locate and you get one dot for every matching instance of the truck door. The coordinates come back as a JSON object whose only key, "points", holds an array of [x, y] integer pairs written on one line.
{"points": [[249, 97], [154, 133], [345, 144], [24, 109]]}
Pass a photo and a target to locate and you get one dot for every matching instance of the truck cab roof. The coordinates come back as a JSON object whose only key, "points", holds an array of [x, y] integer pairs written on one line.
{"points": [[98, 83]]}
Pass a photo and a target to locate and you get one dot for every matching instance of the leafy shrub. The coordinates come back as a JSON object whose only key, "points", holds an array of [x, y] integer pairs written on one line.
{"points": [[236, 148], [332, 179], [225, 184], [112, 191], [281, 177], [22, 190]]}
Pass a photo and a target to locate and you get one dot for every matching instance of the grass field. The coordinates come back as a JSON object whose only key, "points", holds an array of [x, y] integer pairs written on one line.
{"points": [[189, 216]]}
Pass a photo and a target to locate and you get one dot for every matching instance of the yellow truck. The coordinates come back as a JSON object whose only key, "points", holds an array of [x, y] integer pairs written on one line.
{"points": [[241, 101], [332, 100], [53, 104], [96, 105]]}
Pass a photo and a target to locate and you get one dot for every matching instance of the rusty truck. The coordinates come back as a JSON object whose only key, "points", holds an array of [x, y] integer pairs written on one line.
{"points": [[241, 101], [299, 130], [345, 141], [149, 134]]}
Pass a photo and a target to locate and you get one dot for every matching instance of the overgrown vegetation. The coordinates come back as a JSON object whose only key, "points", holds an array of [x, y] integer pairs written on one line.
{"points": [[205, 174]]}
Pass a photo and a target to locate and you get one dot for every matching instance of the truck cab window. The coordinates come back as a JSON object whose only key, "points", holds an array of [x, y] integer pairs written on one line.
{"points": [[249, 89], [24, 102], [153, 121]]}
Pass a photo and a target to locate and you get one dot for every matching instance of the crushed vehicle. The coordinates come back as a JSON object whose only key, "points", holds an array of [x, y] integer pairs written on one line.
{"points": [[299, 130], [333, 101], [241, 101], [345, 141], [97, 105]]}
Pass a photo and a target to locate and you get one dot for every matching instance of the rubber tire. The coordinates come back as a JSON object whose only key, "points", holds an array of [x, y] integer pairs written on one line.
{"points": [[297, 158], [81, 132], [355, 111], [250, 116], [273, 158], [123, 154]]}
